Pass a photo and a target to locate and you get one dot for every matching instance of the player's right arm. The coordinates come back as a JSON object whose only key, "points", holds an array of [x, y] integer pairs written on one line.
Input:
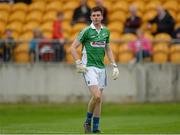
{"points": [[79, 66]]}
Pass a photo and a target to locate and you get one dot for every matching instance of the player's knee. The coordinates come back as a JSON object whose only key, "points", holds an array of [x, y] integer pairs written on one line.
{"points": [[97, 98]]}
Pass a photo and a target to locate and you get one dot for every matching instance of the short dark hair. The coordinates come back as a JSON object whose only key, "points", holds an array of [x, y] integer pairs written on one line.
{"points": [[95, 9]]}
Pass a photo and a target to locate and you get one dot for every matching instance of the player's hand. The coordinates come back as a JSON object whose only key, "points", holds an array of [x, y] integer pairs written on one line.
{"points": [[115, 73], [80, 67]]}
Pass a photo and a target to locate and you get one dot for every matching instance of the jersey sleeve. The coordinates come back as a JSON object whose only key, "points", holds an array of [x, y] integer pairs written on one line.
{"points": [[82, 35]]}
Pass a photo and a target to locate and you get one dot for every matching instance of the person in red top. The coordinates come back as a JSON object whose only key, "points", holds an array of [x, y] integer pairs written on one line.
{"points": [[141, 47], [58, 37]]}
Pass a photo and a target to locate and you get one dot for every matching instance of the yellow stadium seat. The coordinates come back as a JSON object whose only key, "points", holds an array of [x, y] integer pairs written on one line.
{"points": [[119, 16], [47, 34], [171, 5], [114, 47], [30, 26], [116, 27], [115, 36], [106, 60], [128, 37], [4, 16], [175, 54], [148, 15], [108, 5], [68, 16], [21, 53], [152, 5], [15, 26], [121, 5], [160, 54], [19, 7], [27, 36], [149, 36], [46, 27], [70, 5], [69, 58], [91, 3], [39, 5], [54, 6], [125, 54], [49, 16], [77, 28], [140, 5], [163, 37], [17, 16], [5, 7], [178, 18], [34, 16], [2, 27]]}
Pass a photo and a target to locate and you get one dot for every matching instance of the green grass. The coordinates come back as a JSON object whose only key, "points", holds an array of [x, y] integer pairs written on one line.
{"points": [[68, 118]]}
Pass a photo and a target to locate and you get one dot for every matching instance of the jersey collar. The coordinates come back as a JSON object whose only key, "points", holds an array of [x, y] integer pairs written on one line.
{"points": [[93, 27]]}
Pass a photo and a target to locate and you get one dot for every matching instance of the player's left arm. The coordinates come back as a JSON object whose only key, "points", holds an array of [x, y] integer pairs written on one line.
{"points": [[110, 56]]}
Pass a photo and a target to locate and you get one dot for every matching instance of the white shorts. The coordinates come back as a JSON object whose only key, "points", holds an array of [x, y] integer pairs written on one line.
{"points": [[96, 76]]}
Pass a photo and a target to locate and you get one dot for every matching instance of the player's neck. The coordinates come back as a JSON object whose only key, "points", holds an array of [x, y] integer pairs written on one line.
{"points": [[97, 26]]}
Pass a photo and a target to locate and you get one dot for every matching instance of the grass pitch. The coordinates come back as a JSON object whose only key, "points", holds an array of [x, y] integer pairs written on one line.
{"points": [[69, 118]]}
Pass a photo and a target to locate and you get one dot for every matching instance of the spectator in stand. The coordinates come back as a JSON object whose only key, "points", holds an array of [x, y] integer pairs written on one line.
{"points": [[99, 3], [58, 37], [33, 51], [133, 22], [163, 21], [82, 13], [8, 45], [142, 47], [40, 47]]}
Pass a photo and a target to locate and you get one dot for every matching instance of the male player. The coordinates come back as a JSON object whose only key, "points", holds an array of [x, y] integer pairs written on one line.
{"points": [[95, 42]]}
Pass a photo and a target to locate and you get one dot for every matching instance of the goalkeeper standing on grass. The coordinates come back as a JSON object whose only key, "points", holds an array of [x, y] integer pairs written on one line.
{"points": [[95, 42]]}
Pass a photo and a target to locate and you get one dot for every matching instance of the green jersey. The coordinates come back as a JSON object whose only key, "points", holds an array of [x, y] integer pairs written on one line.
{"points": [[94, 43]]}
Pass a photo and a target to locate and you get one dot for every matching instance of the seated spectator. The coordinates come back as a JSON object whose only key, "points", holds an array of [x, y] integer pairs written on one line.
{"points": [[82, 13], [163, 21], [99, 3], [40, 47], [58, 37], [8, 45], [142, 47], [133, 22]]}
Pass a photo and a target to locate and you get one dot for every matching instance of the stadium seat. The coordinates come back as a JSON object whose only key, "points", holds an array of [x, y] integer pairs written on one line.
{"points": [[17, 16], [125, 54], [5, 7], [27, 36], [30, 26], [175, 54], [70, 6], [54, 6], [126, 38], [119, 16], [114, 47], [139, 4], [148, 15], [163, 37], [46, 27], [34, 16], [116, 27], [178, 18], [114, 36], [171, 5], [21, 53], [68, 16], [91, 3], [47, 34], [15, 26], [120, 6], [39, 6], [77, 28], [69, 58], [106, 60], [49, 16], [160, 54], [2, 28], [19, 7], [151, 5], [4, 16]]}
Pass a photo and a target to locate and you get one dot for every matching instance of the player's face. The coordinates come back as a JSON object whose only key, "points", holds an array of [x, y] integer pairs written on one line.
{"points": [[96, 17]]}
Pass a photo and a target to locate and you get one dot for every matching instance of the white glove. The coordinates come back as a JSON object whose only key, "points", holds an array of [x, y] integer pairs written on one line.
{"points": [[80, 67], [115, 73]]}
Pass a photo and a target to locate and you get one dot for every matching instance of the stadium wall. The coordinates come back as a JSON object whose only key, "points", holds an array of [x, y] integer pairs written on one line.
{"points": [[46, 82]]}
